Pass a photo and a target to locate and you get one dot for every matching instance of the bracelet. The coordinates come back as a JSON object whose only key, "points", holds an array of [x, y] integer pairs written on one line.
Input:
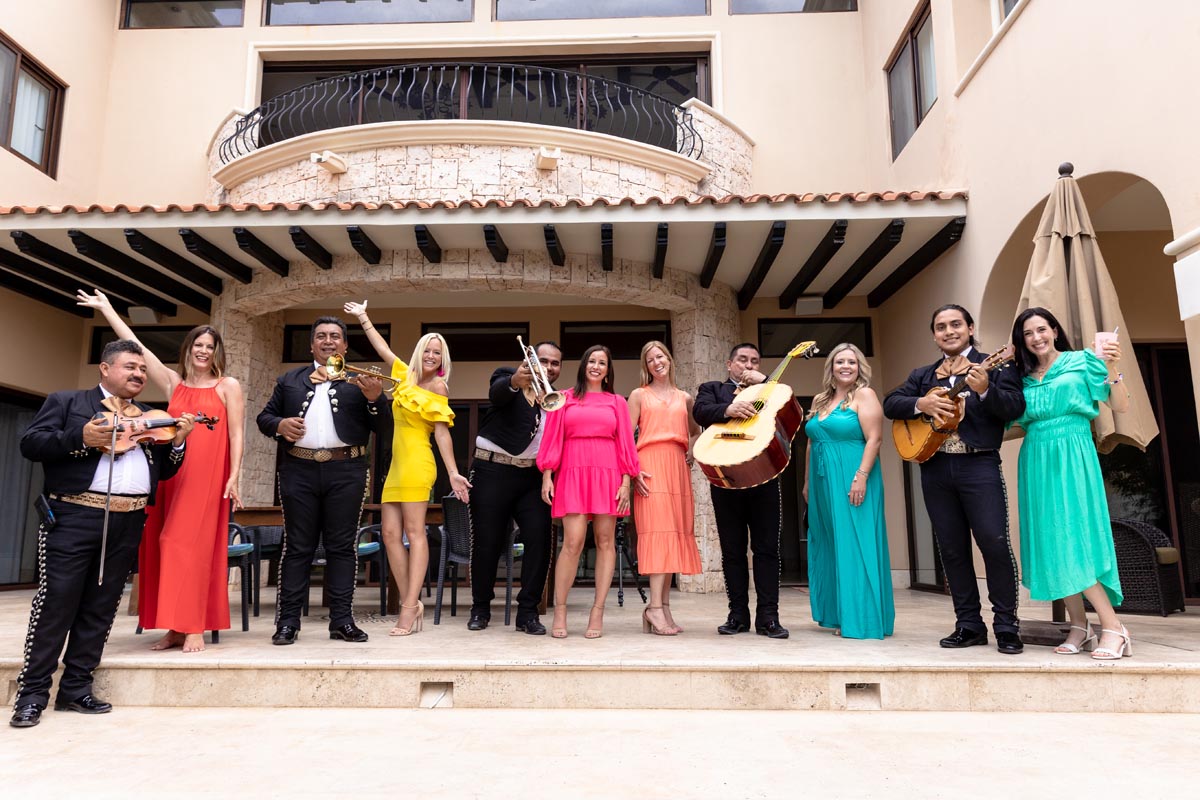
{"points": [[860, 472], [1118, 379], [366, 326]]}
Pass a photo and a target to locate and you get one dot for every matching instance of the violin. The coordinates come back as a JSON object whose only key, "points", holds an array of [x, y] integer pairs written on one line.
{"points": [[158, 427]]}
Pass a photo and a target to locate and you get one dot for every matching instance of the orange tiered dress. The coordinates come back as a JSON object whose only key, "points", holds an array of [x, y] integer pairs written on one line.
{"points": [[666, 541], [183, 556]]}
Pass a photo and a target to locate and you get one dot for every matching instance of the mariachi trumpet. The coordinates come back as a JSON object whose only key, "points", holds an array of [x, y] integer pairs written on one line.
{"points": [[547, 398], [336, 369]]}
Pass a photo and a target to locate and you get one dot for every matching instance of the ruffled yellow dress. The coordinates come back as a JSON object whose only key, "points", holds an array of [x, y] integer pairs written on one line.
{"points": [[415, 410]]}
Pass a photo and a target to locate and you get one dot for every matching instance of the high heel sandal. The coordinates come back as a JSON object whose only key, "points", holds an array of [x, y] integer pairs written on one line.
{"points": [[1088, 643], [414, 626], [594, 633], [671, 623], [557, 632], [1108, 654], [650, 627]]}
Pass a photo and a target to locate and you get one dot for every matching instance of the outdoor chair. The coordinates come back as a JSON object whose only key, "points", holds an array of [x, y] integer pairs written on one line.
{"points": [[1148, 567], [456, 534], [268, 544]]}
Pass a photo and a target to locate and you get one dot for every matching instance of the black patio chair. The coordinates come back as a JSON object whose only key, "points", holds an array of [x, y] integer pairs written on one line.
{"points": [[268, 544], [1148, 567], [456, 535]]}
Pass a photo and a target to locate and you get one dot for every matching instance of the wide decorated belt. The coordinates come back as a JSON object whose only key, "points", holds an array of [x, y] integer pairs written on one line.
{"points": [[504, 458], [328, 453], [119, 503]]}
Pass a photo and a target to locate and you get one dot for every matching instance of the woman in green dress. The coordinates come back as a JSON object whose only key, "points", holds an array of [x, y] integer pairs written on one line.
{"points": [[1066, 537], [849, 572]]}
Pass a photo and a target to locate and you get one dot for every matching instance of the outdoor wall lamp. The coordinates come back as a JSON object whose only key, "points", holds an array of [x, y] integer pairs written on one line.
{"points": [[329, 161]]}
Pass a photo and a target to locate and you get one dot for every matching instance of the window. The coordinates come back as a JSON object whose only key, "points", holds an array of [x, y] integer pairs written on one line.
{"points": [[481, 341], [30, 107], [777, 336], [297, 345], [1006, 7], [912, 83], [624, 339], [162, 340], [182, 14], [794, 6], [362, 12], [597, 9]]}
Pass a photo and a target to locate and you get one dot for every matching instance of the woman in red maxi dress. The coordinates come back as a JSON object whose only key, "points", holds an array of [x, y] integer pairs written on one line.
{"points": [[183, 569]]}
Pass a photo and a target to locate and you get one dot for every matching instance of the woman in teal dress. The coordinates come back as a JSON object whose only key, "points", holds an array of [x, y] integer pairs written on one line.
{"points": [[849, 572], [1066, 538]]}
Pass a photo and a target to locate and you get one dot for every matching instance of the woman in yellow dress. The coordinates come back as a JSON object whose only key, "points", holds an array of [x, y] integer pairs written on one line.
{"points": [[419, 407]]}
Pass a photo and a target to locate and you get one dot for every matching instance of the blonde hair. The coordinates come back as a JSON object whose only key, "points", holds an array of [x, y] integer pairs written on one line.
{"points": [[647, 378], [829, 387], [414, 363]]}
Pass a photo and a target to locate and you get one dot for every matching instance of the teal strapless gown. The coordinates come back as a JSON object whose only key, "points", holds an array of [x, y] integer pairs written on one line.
{"points": [[849, 572], [1066, 535]]}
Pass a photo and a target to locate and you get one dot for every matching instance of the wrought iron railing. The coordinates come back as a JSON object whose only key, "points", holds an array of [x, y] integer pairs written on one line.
{"points": [[442, 91]]}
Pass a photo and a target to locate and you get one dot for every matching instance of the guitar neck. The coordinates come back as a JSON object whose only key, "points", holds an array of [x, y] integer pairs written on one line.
{"points": [[777, 373]]}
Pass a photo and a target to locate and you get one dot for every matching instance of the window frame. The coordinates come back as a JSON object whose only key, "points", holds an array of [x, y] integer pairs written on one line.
{"points": [[616, 325], [58, 89], [288, 357], [506, 352], [265, 20], [496, 15], [127, 5], [96, 339], [733, 13], [923, 16], [866, 322]]}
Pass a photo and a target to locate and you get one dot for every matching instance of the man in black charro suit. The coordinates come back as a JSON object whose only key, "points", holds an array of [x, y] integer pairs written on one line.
{"points": [[962, 483], [71, 605], [323, 428]]}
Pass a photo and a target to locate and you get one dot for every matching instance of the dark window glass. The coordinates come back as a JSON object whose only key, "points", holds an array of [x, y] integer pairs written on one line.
{"points": [[30, 108], [162, 340], [776, 6], [777, 336], [596, 9], [912, 82], [624, 339], [361, 12], [1008, 6], [183, 14], [482, 341], [297, 345]]}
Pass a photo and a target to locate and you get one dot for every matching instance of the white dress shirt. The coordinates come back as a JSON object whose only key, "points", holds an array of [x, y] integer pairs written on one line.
{"points": [[130, 470], [319, 432]]}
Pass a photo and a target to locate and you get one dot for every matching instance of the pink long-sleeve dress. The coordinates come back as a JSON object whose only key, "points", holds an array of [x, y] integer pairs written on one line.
{"points": [[588, 443]]}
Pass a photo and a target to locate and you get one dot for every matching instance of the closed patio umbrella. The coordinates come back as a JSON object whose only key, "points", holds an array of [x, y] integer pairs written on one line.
{"points": [[1067, 275]]}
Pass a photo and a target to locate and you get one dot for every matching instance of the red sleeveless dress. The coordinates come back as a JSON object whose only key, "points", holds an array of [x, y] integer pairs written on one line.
{"points": [[183, 556]]}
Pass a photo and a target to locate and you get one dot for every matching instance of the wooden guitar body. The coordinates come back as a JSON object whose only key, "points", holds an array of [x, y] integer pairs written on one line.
{"points": [[739, 454], [918, 439]]}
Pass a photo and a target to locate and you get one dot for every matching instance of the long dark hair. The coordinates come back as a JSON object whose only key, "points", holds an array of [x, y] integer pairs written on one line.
{"points": [[966, 316], [606, 385], [185, 351], [1026, 360]]}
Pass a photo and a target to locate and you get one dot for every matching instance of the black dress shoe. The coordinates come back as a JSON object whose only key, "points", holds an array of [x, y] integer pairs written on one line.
{"points": [[1009, 643], [348, 633], [733, 626], [87, 704], [532, 626], [26, 716], [771, 629], [964, 638], [478, 622], [285, 634]]}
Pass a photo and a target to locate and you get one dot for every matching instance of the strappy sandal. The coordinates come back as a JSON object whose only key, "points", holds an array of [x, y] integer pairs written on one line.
{"points": [[648, 626], [1088, 643], [595, 633], [559, 631], [1109, 654], [671, 623], [414, 626]]}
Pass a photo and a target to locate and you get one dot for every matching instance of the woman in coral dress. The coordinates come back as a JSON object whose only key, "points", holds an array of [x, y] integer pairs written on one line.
{"points": [[588, 461], [183, 560], [849, 571], [662, 504], [1067, 547], [420, 408]]}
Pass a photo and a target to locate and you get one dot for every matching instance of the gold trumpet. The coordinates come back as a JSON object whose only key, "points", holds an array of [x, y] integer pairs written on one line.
{"points": [[337, 369], [547, 398]]}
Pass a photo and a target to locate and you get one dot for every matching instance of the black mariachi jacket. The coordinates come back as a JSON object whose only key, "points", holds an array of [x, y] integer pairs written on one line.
{"points": [[984, 422], [511, 422], [712, 399], [55, 438], [354, 418]]}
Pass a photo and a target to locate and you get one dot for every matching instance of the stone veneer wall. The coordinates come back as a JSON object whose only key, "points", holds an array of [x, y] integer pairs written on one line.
{"points": [[704, 325]]}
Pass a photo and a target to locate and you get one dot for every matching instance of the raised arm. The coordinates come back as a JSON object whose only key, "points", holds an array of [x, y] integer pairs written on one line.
{"points": [[359, 310], [163, 376]]}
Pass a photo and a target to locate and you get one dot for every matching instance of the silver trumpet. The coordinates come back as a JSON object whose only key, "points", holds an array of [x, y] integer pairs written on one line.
{"points": [[547, 398]]}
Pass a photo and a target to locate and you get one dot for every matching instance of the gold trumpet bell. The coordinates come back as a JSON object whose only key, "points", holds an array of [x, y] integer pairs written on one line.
{"points": [[337, 369], [553, 401]]}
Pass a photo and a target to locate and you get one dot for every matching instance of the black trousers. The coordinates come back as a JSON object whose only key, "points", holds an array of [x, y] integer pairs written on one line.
{"points": [[501, 493], [758, 510], [69, 605], [322, 502], [965, 494]]}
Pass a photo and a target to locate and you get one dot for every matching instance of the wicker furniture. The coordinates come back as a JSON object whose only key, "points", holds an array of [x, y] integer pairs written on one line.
{"points": [[1148, 567]]}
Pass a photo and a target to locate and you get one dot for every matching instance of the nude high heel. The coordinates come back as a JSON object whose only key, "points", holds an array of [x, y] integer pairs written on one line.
{"points": [[1108, 654], [650, 627], [1088, 643], [598, 631], [415, 626], [558, 631]]}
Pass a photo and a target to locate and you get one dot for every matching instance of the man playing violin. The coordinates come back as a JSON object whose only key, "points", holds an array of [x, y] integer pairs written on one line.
{"points": [[72, 605], [507, 487], [962, 483], [323, 428]]}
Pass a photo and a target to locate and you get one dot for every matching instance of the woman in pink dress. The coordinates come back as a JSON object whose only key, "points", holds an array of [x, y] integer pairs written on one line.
{"points": [[662, 505], [183, 560], [588, 460]]}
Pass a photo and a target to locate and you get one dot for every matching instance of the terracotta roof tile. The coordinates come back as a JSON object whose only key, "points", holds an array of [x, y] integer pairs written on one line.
{"points": [[830, 197]]}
